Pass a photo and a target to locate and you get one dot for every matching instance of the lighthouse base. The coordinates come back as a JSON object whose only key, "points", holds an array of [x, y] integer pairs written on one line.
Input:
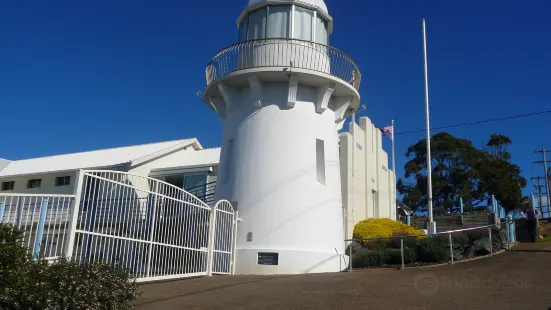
{"points": [[277, 261]]}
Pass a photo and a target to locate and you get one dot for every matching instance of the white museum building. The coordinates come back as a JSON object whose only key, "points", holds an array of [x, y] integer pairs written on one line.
{"points": [[297, 186]]}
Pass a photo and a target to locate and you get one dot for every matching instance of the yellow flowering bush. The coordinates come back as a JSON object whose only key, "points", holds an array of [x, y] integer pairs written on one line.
{"points": [[373, 228]]}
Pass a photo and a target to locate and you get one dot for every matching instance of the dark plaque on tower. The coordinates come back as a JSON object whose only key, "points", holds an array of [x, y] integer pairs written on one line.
{"points": [[268, 259]]}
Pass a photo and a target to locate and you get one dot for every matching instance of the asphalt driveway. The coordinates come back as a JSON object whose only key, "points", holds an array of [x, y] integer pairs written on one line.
{"points": [[519, 279]]}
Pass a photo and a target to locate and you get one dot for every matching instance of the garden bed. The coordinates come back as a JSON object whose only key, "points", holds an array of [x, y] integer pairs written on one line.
{"points": [[421, 251]]}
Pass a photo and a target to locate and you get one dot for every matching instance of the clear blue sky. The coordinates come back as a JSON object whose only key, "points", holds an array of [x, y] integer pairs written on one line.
{"points": [[83, 75]]}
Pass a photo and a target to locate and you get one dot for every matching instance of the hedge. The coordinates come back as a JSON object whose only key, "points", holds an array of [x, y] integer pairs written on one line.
{"points": [[63, 284]]}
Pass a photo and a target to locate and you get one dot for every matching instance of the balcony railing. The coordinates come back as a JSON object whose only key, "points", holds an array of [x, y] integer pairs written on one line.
{"points": [[287, 53]]}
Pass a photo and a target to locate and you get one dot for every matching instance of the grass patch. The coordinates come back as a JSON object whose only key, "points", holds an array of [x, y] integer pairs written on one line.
{"points": [[546, 239]]}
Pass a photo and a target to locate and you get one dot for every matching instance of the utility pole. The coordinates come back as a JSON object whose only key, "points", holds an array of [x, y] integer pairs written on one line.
{"points": [[538, 190], [545, 173]]}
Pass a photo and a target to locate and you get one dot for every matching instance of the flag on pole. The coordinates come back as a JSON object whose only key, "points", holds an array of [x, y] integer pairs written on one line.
{"points": [[388, 131]]}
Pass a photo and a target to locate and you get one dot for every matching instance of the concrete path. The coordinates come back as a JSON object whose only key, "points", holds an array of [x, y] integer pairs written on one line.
{"points": [[520, 279]]}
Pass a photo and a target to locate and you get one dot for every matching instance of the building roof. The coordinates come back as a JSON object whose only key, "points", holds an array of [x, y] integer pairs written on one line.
{"points": [[129, 156], [202, 158]]}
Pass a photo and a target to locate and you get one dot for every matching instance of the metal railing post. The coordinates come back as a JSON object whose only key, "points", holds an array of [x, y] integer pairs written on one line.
{"points": [[212, 235], [402, 252], [451, 246], [234, 250], [19, 212], [73, 219], [2, 208], [152, 231], [507, 229], [512, 229], [40, 229], [350, 256], [491, 244]]}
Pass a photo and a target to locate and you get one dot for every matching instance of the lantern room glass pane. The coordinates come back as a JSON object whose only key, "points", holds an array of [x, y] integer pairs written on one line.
{"points": [[257, 25], [321, 31], [243, 30], [303, 23], [278, 21]]}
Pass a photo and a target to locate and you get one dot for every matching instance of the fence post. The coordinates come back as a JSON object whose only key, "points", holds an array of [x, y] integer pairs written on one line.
{"points": [[152, 230], [451, 246], [349, 256], [19, 211], [2, 207], [212, 235], [508, 231], [40, 229], [235, 221], [511, 228], [73, 217], [402, 251], [491, 244]]}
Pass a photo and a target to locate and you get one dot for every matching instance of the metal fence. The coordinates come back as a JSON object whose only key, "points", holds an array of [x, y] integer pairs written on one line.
{"points": [[44, 220], [288, 53], [501, 235], [151, 228]]}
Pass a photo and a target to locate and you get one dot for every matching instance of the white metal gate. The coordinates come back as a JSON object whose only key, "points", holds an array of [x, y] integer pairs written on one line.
{"points": [[153, 229], [223, 238]]}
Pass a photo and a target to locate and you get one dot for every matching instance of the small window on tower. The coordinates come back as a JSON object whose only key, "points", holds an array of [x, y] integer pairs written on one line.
{"points": [[320, 160]]}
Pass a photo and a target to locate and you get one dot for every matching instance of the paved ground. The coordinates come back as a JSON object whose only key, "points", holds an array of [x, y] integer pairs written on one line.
{"points": [[518, 279]]}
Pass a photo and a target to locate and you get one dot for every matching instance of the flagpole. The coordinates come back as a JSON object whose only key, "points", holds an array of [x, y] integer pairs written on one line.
{"points": [[394, 169], [353, 166], [431, 228]]}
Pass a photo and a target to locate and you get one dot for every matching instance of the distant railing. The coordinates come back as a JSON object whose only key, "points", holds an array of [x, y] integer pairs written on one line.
{"points": [[204, 192], [287, 53]]}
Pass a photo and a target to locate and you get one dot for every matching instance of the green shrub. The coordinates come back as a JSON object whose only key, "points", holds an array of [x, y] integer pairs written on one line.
{"points": [[393, 256], [410, 241], [460, 239], [377, 244], [29, 284], [410, 255], [373, 259], [92, 285], [434, 249]]}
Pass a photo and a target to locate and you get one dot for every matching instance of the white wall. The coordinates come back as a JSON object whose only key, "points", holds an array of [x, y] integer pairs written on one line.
{"points": [[273, 177], [47, 185], [371, 173]]}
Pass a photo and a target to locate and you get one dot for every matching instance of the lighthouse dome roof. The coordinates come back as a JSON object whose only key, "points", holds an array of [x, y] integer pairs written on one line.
{"points": [[319, 4]]}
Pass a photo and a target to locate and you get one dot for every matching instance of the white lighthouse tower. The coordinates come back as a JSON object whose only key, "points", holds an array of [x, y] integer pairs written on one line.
{"points": [[282, 93]]}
